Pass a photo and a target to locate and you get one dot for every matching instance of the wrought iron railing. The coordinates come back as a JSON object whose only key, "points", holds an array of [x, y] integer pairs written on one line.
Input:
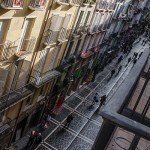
{"points": [[40, 77], [51, 37], [64, 34], [14, 96], [12, 3], [9, 48], [38, 3], [76, 2], [63, 2]]}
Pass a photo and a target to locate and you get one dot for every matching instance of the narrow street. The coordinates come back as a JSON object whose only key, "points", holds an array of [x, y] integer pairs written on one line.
{"points": [[87, 120]]}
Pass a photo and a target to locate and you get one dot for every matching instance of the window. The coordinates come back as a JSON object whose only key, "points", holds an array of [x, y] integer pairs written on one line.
{"points": [[25, 40], [12, 3], [87, 18], [69, 49], [77, 50], [79, 20]]}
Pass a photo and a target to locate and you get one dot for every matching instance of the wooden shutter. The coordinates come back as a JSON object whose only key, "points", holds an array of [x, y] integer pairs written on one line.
{"points": [[54, 19]]}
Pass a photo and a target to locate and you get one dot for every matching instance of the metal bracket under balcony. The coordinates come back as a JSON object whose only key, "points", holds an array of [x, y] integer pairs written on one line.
{"points": [[10, 4], [63, 2], [42, 78]]}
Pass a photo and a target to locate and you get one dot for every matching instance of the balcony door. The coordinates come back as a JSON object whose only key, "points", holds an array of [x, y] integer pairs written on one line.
{"points": [[26, 30]]}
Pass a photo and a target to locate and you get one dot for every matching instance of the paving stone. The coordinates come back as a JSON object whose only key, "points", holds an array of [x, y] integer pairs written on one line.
{"points": [[90, 130], [78, 122], [60, 139], [92, 85], [73, 102], [83, 92], [51, 127], [62, 115], [97, 117], [80, 144], [86, 109], [41, 147]]}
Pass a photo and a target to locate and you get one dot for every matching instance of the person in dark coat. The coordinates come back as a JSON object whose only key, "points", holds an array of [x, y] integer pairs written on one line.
{"points": [[102, 101], [69, 120], [112, 73], [32, 138], [37, 141]]}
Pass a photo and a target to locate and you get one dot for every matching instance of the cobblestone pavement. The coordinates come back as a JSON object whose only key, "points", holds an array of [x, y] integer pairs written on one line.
{"points": [[87, 120]]}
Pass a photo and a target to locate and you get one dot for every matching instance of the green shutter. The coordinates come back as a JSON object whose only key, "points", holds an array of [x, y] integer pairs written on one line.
{"points": [[95, 63], [78, 73]]}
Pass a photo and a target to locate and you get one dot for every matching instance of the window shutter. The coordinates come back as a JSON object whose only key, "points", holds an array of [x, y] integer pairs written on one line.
{"points": [[56, 22], [79, 20], [66, 21]]}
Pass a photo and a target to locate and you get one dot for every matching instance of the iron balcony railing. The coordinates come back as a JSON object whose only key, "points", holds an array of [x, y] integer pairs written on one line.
{"points": [[63, 2], [27, 46], [6, 50], [38, 4], [40, 77], [64, 35], [12, 3], [51, 37], [9, 48], [14, 96], [75, 2]]}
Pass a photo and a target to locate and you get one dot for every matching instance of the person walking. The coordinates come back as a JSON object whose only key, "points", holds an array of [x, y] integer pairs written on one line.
{"points": [[102, 101], [129, 60], [112, 73], [37, 141], [68, 120], [32, 138], [95, 99], [119, 69]]}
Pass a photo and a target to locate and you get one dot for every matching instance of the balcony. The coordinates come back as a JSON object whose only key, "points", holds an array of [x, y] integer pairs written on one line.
{"points": [[27, 47], [63, 35], [51, 37], [42, 78], [63, 2], [37, 4], [12, 4], [8, 49], [15, 96], [75, 2]]}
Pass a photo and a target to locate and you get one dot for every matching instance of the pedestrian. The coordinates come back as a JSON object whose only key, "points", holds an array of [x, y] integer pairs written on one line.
{"points": [[112, 73], [32, 138], [119, 69], [95, 99], [119, 59], [37, 141], [135, 55], [68, 120], [102, 101], [140, 55], [134, 61]]}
